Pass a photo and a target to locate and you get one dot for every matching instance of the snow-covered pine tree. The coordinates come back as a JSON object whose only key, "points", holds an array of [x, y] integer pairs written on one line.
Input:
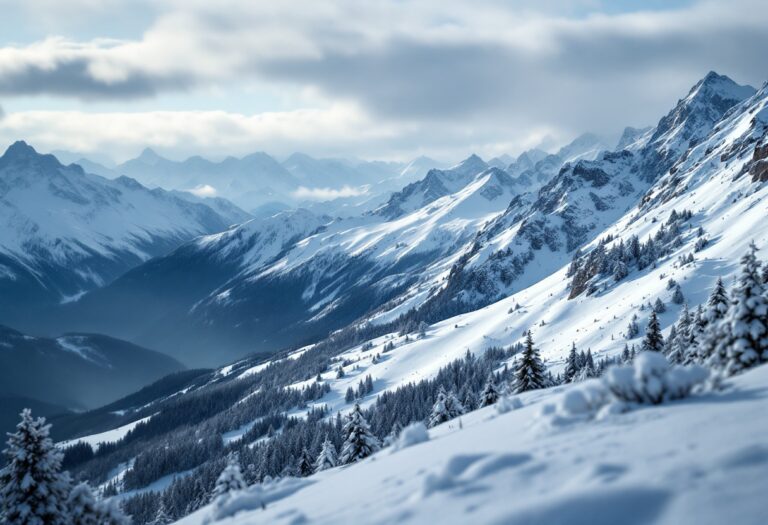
{"points": [[620, 271], [440, 413], [453, 405], [659, 307], [712, 329], [359, 442], [490, 393], [633, 330], [695, 334], [33, 490], [679, 338], [653, 340], [82, 505], [677, 295], [745, 341], [230, 479], [625, 356], [572, 365], [718, 303], [670, 341], [110, 513], [161, 516], [529, 370], [305, 467], [588, 369], [327, 457]]}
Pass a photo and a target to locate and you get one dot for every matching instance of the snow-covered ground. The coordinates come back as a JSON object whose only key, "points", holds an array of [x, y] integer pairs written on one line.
{"points": [[110, 436], [701, 460]]}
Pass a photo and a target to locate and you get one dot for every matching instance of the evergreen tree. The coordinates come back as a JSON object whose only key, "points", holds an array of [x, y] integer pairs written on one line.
{"points": [[359, 442], [33, 489], [110, 513], [625, 356], [82, 505], [677, 295], [161, 516], [590, 362], [529, 370], [718, 303], [712, 330], [696, 336], [453, 405], [653, 340], [572, 365], [490, 393], [468, 401], [327, 457], [230, 479], [632, 328], [440, 410], [745, 341], [305, 467], [620, 271], [659, 307]]}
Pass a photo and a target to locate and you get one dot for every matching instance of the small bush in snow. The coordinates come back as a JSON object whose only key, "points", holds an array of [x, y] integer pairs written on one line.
{"points": [[651, 380], [648, 380], [413, 434], [585, 400], [507, 404]]}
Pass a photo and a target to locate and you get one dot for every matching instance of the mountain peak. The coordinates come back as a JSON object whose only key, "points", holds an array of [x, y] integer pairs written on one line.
{"points": [[19, 150], [472, 163], [149, 156], [714, 84]]}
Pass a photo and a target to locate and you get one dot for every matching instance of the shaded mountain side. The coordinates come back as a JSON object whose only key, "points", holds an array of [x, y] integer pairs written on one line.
{"points": [[76, 370]]}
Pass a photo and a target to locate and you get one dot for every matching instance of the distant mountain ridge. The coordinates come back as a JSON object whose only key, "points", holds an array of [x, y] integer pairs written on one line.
{"points": [[64, 232], [76, 371]]}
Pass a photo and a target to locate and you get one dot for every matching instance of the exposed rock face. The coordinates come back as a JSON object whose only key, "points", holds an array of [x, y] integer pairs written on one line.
{"points": [[759, 165]]}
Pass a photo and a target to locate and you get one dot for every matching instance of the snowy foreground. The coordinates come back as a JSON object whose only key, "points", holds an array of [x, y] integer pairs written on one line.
{"points": [[700, 460]]}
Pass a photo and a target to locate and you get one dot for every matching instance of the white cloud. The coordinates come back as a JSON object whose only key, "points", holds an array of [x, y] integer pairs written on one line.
{"points": [[326, 194], [203, 190], [438, 76]]}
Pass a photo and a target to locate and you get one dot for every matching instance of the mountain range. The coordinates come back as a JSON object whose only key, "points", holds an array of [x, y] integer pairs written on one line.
{"points": [[434, 291]]}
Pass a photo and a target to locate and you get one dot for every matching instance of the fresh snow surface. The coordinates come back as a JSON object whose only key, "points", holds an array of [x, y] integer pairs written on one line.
{"points": [[700, 460], [110, 436]]}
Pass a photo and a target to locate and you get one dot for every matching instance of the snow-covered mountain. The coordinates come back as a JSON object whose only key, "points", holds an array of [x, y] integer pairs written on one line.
{"points": [[148, 302], [65, 232], [258, 179], [529, 242], [247, 181], [458, 239], [440, 294], [324, 277]]}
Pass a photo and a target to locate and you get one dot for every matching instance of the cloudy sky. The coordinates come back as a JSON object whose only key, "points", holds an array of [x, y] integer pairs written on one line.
{"points": [[387, 79]]}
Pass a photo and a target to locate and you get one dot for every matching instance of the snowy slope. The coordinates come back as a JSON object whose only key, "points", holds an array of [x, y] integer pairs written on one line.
{"points": [[697, 461]]}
